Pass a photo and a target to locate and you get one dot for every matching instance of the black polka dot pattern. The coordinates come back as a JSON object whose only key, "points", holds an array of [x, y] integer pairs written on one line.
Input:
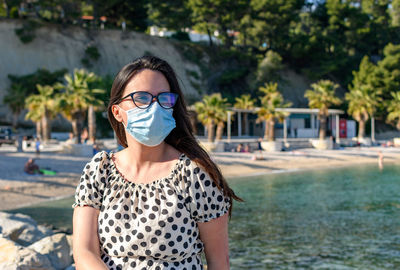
{"points": [[150, 226]]}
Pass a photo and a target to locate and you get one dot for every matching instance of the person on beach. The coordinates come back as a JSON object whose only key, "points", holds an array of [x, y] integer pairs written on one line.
{"points": [[37, 146], [161, 201], [380, 160], [31, 167]]}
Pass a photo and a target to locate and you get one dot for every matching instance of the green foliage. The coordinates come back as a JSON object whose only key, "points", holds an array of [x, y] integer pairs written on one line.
{"points": [[322, 96], [180, 35], [133, 12], [41, 104], [393, 108], [91, 54], [244, 102], [14, 12], [3, 12], [193, 74], [271, 100], [171, 14], [23, 86], [321, 39], [388, 74], [364, 97], [76, 95], [269, 67], [27, 32], [395, 13], [221, 15], [212, 111]]}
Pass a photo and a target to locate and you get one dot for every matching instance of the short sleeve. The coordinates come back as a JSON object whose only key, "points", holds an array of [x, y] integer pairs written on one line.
{"points": [[90, 189], [203, 198]]}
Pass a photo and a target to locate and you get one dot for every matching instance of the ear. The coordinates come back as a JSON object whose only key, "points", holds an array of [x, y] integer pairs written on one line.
{"points": [[117, 112]]}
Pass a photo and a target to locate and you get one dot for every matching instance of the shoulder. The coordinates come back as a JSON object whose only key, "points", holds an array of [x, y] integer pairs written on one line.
{"points": [[100, 161], [101, 157], [194, 173]]}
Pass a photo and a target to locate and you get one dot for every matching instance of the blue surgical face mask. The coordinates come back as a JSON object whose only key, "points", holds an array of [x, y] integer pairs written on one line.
{"points": [[149, 126]]}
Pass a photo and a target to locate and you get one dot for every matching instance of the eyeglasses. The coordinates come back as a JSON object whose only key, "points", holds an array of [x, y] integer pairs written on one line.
{"points": [[143, 99]]}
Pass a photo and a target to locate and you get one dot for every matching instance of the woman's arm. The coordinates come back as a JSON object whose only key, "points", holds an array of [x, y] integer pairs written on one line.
{"points": [[86, 247], [214, 235]]}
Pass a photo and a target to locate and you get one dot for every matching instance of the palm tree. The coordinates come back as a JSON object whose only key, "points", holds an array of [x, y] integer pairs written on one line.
{"points": [[270, 102], [210, 112], [245, 102], [221, 116], [41, 109], [393, 109], [15, 99], [321, 97], [77, 99], [362, 105]]}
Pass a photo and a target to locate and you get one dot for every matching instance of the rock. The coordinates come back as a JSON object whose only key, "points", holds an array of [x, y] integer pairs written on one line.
{"points": [[69, 239], [22, 228], [71, 267], [17, 257], [57, 249]]}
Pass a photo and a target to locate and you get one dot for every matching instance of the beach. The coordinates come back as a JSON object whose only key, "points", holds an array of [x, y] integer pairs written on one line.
{"points": [[18, 189]]}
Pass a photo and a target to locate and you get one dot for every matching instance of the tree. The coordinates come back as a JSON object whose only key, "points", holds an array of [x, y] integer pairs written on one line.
{"points": [[179, 15], [210, 112], [362, 105], [270, 23], [221, 15], [363, 97], [395, 13], [15, 99], [271, 100], [245, 102], [388, 73], [393, 109], [42, 108], [221, 108], [23, 86], [269, 67], [321, 97], [77, 98], [133, 12]]}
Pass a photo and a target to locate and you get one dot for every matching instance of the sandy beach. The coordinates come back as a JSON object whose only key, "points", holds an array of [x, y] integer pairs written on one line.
{"points": [[19, 189]]}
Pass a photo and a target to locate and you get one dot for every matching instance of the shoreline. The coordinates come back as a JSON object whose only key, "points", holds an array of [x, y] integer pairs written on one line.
{"points": [[21, 190]]}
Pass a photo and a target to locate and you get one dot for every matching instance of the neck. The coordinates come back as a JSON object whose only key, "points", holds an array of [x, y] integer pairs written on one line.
{"points": [[140, 153]]}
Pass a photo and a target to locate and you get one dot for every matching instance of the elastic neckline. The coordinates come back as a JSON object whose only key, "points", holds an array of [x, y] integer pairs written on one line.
{"points": [[142, 185]]}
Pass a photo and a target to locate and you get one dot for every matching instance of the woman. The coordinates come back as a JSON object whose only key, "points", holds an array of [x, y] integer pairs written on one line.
{"points": [[161, 201]]}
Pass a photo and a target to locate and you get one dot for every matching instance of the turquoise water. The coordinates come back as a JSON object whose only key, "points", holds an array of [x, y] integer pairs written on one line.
{"points": [[346, 218], [334, 219]]}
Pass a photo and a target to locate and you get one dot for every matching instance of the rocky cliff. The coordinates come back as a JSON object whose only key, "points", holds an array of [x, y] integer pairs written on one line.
{"points": [[55, 47]]}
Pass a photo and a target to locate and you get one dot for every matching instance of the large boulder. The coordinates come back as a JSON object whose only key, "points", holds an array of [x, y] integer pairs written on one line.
{"points": [[22, 228], [57, 248], [17, 257]]}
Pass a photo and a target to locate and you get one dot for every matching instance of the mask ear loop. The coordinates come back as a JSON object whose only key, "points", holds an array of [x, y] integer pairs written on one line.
{"points": [[126, 115]]}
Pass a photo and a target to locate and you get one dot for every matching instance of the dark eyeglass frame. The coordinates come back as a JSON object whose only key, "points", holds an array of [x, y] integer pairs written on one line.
{"points": [[153, 98]]}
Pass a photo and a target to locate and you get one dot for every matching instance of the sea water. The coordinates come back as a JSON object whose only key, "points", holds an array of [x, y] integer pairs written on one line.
{"points": [[346, 218]]}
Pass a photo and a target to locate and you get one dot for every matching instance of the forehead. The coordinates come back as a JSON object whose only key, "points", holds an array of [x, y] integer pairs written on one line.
{"points": [[148, 80]]}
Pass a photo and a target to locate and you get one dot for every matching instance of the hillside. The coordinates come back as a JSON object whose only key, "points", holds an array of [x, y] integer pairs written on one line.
{"points": [[55, 47]]}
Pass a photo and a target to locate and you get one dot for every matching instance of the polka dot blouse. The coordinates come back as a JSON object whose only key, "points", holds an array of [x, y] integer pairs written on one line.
{"points": [[154, 225]]}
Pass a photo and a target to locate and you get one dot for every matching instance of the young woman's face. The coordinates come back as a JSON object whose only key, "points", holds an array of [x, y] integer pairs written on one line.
{"points": [[146, 80]]}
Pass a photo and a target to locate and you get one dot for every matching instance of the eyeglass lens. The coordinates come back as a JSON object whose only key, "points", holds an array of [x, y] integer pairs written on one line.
{"points": [[144, 99]]}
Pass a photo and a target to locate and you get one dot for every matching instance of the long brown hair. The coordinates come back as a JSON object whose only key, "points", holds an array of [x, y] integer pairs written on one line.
{"points": [[181, 137]]}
